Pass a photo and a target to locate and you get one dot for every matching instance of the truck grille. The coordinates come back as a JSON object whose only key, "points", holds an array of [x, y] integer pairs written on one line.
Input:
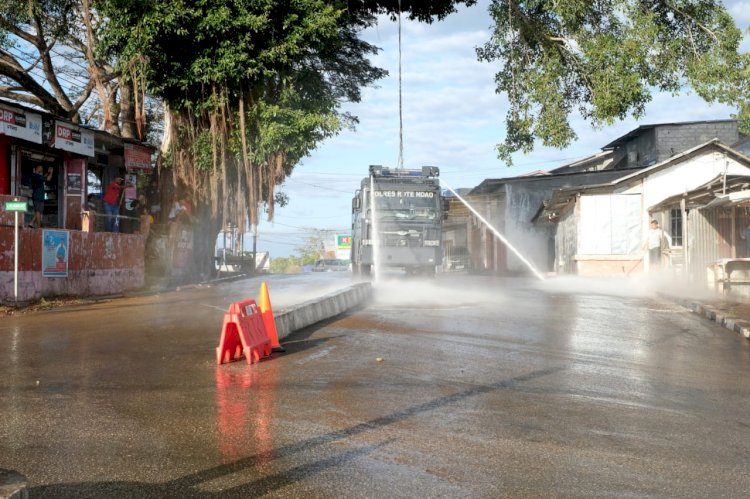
{"points": [[408, 238]]}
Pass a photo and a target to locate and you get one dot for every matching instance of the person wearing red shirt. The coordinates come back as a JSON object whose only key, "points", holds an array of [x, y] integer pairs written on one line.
{"points": [[111, 200]]}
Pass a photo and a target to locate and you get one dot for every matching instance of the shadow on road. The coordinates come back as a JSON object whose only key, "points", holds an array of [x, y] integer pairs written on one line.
{"points": [[188, 486]]}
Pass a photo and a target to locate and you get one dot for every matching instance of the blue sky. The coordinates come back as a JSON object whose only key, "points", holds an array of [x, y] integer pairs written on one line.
{"points": [[452, 119]]}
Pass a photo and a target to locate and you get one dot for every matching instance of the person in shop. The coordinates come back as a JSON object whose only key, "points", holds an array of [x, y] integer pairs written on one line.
{"points": [[112, 198], [38, 181], [181, 210], [144, 216]]}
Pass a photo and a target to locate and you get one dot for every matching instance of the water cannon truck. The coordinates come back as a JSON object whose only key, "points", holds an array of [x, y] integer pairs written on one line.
{"points": [[397, 217]]}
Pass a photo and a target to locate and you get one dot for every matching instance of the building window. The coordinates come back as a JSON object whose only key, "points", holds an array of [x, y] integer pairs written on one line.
{"points": [[675, 226]]}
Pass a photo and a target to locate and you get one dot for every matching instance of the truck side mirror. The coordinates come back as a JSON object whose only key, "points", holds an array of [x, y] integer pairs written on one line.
{"points": [[356, 205]]}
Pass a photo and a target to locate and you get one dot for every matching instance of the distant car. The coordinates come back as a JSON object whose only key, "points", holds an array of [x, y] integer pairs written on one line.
{"points": [[331, 265]]}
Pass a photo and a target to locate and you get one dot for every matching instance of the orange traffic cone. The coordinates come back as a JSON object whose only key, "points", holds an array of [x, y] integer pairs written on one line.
{"points": [[264, 303]]}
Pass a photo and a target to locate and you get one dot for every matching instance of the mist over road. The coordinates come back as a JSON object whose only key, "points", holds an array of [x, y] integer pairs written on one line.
{"points": [[463, 386]]}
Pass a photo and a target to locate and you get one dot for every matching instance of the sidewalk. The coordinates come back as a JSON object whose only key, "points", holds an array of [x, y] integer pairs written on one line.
{"points": [[730, 311]]}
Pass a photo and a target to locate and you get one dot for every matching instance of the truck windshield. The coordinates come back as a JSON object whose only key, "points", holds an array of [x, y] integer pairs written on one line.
{"points": [[406, 206]]}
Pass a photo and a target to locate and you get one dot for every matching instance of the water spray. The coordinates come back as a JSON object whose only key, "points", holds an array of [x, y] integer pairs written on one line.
{"points": [[374, 234], [494, 231]]}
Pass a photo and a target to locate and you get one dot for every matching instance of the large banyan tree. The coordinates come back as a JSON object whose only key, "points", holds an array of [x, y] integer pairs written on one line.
{"points": [[251, 87]]}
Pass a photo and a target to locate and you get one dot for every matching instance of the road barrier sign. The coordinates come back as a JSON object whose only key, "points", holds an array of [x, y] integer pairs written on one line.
{"points": [[249, 331], [243, 334]]}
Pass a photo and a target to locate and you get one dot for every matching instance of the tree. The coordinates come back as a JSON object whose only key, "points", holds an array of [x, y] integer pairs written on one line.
{"points": [[604, 59], [48, 59], [312, 249]]}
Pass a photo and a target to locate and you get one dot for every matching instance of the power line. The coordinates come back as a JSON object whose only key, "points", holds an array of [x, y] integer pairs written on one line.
{"points": [[43, 77], [318, 186]]}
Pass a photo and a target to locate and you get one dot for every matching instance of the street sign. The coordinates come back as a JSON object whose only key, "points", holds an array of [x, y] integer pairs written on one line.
{"points": [[15, 206]]}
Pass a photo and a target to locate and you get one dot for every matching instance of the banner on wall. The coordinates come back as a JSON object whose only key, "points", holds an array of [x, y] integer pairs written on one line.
{"points": [[21, 124], [137, 157], [55, 244], [73, 138]]}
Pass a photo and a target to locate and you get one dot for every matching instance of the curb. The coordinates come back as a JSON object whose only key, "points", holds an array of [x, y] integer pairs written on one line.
{"points": [[12, 485], [739, 326]]}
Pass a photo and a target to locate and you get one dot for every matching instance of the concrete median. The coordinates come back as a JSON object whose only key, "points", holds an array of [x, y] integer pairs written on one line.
{"points": [[306, 314]]}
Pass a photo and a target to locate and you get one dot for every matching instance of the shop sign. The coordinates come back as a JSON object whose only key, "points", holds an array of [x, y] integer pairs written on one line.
{"points": [[137, 157], [343, 241], [74, 139], [20, 124]]}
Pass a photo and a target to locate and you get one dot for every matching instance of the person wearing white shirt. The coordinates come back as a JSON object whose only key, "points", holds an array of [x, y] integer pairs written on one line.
{"points": [[655, 239]]}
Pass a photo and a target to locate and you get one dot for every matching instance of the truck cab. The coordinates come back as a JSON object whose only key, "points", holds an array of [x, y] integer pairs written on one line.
{"points": [[397, 221]]}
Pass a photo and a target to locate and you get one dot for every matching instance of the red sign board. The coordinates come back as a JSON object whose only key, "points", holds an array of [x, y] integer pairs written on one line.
{"points": [[137, 157]]}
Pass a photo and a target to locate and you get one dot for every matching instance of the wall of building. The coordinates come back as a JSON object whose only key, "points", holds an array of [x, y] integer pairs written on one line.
{"points": [[482, 254], [566, 242], [686, 176], [534, 242], [674, 139], [637, 152], [523, 200], [99, 263], [709, 239], [658, 144], [605, 267]]}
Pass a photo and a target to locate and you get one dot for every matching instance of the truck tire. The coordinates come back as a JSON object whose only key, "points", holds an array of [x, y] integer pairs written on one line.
{"points": [[428, 271]]}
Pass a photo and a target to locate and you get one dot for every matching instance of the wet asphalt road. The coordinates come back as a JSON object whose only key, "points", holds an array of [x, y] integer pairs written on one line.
{"points": [[485, 388]]}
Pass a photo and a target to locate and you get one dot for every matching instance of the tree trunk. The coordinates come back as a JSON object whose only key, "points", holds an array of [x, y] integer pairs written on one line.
{"points": [[127, 110], [206, 229]]}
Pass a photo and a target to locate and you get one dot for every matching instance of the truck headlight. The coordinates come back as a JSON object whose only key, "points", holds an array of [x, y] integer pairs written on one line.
{"points": [[432, 243]]}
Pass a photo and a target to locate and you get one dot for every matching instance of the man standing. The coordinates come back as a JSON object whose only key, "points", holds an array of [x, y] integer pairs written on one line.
{"points": [[38, 179], [655, 237], [111, 200]]}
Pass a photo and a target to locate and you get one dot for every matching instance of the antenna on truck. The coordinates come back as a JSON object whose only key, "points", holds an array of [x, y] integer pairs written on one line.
{"points": [[400, 105]]}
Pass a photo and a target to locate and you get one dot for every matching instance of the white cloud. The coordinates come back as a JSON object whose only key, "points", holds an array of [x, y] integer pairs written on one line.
{"points": [[740, 11]]}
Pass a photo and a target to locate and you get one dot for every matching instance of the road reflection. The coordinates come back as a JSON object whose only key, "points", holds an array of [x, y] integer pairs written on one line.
{"points": [[245, 406]]}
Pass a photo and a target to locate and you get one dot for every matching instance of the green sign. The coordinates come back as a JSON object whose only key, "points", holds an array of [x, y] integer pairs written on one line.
{"points": [[15, 206], [343, 241]]}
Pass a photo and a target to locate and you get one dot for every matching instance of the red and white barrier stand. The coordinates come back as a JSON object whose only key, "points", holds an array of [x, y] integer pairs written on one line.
{"points": [[243, 334], [248, 331]]}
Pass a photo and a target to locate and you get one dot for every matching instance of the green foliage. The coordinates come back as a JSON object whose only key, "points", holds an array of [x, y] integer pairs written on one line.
{"points": [[306, 254], [286, 265], [311, 250], [604, 59], [191, 46]]}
